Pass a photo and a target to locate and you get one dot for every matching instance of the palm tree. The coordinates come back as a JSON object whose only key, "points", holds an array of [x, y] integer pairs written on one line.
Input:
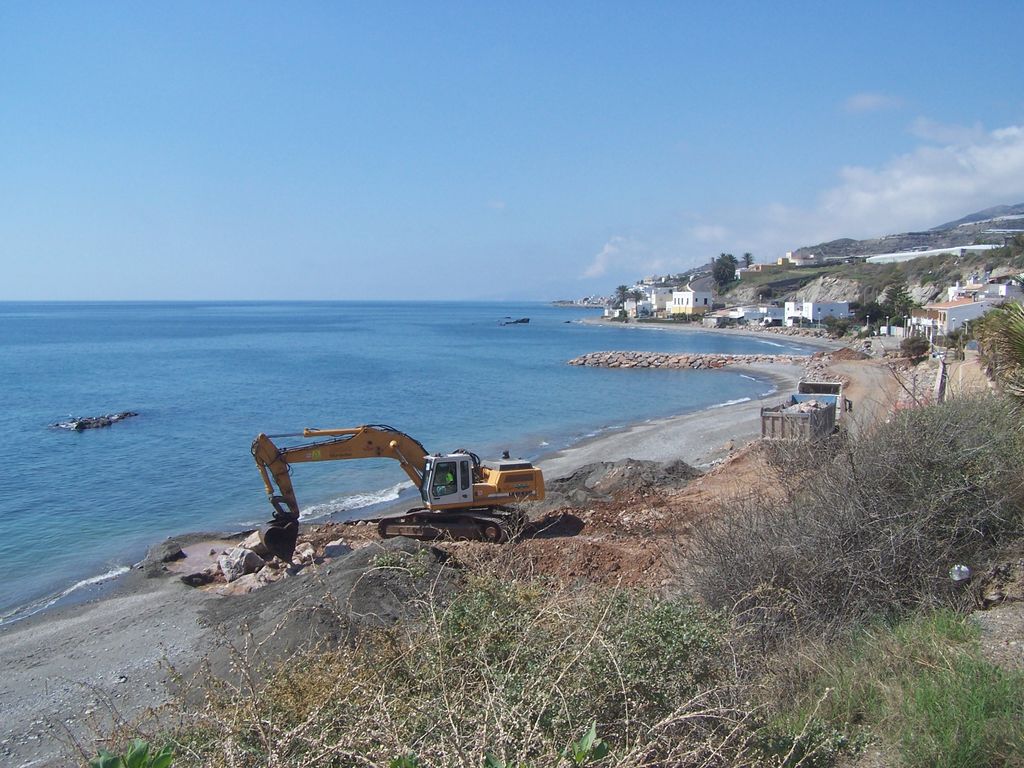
{"points": [[748, 259], [621, 295], [1000, 335]]}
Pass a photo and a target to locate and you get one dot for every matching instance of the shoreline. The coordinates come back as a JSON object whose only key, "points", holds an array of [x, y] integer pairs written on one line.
{"points": [[682, 436], [735, 422], [819, 342], [731, 421], [68, 667]]}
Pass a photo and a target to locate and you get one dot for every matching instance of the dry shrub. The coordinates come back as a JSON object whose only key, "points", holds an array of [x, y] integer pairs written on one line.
{"points": [[515, 669], [871, 526]]}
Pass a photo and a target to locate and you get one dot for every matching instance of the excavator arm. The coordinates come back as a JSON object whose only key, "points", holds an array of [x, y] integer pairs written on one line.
{"points": [[274, 464]]}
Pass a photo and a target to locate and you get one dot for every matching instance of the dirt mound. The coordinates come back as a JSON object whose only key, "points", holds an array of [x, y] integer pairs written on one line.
{"points": [[374, 586], [848, 353], [607, 480], [613, 563]]}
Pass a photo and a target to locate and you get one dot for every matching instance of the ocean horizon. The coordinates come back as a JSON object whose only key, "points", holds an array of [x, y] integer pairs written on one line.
{"points": [[206, 377]]}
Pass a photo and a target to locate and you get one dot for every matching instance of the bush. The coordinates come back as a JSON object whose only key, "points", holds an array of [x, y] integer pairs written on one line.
{"points": [[870, 526], [836, 327], [915, 347], [509, 671]]}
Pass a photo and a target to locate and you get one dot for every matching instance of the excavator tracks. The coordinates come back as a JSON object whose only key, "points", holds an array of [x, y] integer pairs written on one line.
{"points": [[492, 525]]}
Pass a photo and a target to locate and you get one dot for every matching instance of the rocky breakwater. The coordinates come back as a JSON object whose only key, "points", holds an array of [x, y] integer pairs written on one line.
{"points": [[680, 361]]}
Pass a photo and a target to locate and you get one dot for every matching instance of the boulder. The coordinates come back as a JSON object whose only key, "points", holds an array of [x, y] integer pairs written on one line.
{"points": [[336, 549], [239, 562], [199, 578], [304, 553], [255, 542], [165, 552]]}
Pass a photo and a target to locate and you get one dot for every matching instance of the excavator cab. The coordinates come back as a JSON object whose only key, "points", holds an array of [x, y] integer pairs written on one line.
{"points": [[447, 480]]}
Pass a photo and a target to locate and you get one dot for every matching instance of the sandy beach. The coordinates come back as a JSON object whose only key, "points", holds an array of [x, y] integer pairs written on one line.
{"points": [[66, 674], [820, 342], [699, 438]]}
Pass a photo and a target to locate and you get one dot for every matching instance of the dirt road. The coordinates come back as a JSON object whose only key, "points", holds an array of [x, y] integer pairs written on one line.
{"points": [[872, 389]]}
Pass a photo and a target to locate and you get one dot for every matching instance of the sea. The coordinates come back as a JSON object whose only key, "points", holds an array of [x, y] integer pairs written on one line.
{"points": [[80, 508]]}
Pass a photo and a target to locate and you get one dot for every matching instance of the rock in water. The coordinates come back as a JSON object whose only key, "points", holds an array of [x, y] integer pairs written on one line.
{"points": [[79, 423]]}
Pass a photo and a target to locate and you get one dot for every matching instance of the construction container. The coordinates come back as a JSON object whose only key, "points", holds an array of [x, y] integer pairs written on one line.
{"points": [[803, 417]]}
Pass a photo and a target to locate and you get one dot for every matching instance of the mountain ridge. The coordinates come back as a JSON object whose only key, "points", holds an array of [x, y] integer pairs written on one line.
{"points": [[973, 229]]}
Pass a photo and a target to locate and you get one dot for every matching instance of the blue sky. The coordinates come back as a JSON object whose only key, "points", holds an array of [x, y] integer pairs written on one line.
{"points": [[247, 150]]}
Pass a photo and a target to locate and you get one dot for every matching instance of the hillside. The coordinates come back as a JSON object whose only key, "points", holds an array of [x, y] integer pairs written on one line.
{"points": [[926, 277], [990, 226]]}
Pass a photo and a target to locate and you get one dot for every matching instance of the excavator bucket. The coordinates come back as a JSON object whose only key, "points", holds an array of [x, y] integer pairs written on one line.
{"points": [[280, 537]]}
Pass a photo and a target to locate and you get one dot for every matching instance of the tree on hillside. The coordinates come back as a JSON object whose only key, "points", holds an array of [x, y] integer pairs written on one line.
{"points": [[897, 301], [748, 259], [915, 347], [723, 269], [872, 310]]}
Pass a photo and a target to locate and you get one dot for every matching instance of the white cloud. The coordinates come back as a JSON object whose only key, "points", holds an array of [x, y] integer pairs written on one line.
{"points": [[942, 133], [710, 233], [913, 191], [617, 252], [870, 101], [496, 205], [917, 190], [927, 186]]}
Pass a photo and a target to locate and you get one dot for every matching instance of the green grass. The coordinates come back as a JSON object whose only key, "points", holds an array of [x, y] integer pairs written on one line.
{"points": [[965, 716], [922, 690]]}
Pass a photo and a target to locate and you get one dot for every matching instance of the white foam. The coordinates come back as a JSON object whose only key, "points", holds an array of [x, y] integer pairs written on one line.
{"points": [[544, 443], [744, 376], [730, 402], [355, 501], [24, 611]]}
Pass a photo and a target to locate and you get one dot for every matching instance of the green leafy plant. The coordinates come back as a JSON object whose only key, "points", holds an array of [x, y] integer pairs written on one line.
{"points": [[491, 761], [137, 756], [405, 761], [587, 748]]}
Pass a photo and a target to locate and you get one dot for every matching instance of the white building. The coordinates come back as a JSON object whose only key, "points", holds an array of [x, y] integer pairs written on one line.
{"points": [[634, 308], [798, 312], [898, 256], [975, 289], [690, 302], [763, 314], [943, 317], [806, 260], [659, 297]]}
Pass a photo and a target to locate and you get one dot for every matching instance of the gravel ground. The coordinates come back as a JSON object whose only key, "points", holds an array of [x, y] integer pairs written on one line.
{"points": [[65, 674]]}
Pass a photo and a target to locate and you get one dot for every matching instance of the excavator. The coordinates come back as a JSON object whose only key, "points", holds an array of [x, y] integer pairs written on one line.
{"points": [[462, 497]]}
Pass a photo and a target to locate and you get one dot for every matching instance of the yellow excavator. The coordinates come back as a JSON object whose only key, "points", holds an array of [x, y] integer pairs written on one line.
{"points": [[463, 498]]}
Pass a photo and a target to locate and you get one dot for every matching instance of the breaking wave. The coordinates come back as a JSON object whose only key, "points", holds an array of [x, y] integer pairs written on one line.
{"points": [[24, 611], [355, 501], [737, 401]]}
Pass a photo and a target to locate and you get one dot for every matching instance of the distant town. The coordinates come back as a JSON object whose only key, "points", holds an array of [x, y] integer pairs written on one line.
{"points": [[931, 292]]}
